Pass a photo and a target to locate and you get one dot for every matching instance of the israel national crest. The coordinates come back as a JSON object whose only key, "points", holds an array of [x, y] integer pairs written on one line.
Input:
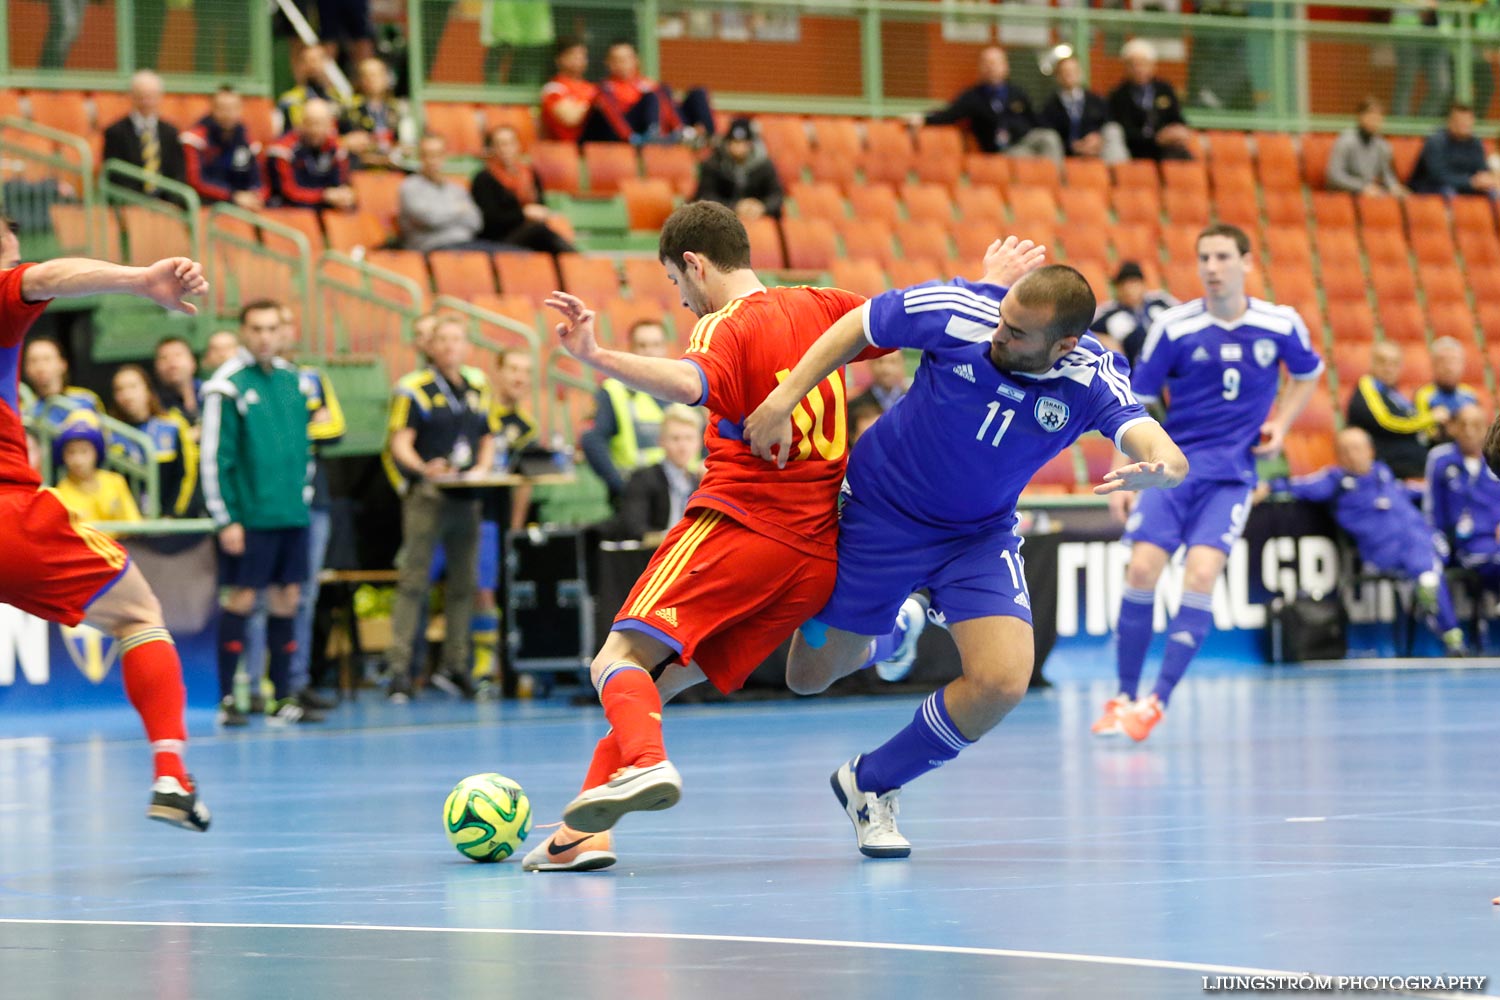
{"points": [[91, 651], [1265, 352], [1051, 413]]}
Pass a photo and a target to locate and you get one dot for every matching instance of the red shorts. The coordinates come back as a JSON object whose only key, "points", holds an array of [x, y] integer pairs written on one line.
{"points": [[725, 597], [51, 564]]}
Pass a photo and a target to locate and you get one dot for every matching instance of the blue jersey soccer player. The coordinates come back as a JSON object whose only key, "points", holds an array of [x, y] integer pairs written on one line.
{"points": [[1007, 381], [1463, 496], [1219, 358]]}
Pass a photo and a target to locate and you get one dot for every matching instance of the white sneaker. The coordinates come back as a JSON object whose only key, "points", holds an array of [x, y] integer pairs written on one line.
{"points": [[913, 618], [873, 816], [571, 851], [643, 789]]}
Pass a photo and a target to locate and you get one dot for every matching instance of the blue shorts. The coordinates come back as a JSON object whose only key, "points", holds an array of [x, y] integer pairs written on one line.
{"points": [[881, 563], [1409, 555], [271, 559], [1196, 513], [489, 557]]}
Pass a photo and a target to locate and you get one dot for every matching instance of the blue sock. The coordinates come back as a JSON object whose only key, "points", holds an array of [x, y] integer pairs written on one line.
{"points": [[1133, 637], [1185, 635], [1446, 617], [930, 741], [884, 645]]}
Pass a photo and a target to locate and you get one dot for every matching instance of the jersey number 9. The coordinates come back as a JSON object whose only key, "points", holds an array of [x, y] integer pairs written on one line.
{"points": [[1231, 383]]}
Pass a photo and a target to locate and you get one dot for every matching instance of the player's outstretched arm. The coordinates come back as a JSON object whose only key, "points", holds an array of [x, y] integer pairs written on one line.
{"points": [[1007, 261], [664, 378], [167, 282], [1293, 400], [768, 431], [1158, 462]]}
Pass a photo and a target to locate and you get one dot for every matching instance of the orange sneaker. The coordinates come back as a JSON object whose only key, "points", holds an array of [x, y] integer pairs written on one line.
{"points": [[1139, 722], [569, 850], [1108, 724]]}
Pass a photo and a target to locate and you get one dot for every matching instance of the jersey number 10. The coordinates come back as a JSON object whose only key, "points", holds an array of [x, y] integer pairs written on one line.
{"points": [[811, 416]]}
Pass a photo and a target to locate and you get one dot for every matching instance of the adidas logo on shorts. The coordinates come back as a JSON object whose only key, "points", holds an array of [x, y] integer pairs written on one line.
{"points": [[668, 615], [965, 372]]}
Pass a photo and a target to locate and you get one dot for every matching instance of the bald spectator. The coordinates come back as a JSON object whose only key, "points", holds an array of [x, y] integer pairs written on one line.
{"points": [[888, 382], [1147, 108], [308, 167], [309, 69], [999, 113], [1361, 161], [1081, 117], [1400, 434], [222, 163], [1447, 390], [436, 213], [1463, 496], [143, 139], [509, 195]]}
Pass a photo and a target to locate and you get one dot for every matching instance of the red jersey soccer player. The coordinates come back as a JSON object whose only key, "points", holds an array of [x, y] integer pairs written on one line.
{"points": [[752, 558], [57, 568]]}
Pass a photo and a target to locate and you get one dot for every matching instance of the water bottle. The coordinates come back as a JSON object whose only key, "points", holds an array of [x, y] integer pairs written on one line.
{"points": [[502, 452], [562, 453]]}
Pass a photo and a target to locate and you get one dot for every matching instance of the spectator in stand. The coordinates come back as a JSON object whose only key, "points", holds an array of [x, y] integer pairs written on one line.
{"points": [[45, 370], [309, 69], [347, 25], [631, 108], [567, 97], [64, 22], [889, 382], [1401, 434], [656, 496], [1361, 161], [436, 213], [1081, 117], [88, 491], [999, 113], [1453, 160], [1463, 497], [308, 167], [1122, 323], [739, 174], [378, 133], [1378, 512], [1147, 108], [1447, 390], [178, 387], [222, 163], [509, 195], [221, 348], [143, 139], [135, 403], [627, 423]]}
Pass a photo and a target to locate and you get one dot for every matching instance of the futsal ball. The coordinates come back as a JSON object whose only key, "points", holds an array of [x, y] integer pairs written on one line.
{"points": [[487, 817]]}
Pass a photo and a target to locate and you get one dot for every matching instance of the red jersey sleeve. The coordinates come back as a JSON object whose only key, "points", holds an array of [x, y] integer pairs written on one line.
{"points": [[716, 348], [16, 314]]}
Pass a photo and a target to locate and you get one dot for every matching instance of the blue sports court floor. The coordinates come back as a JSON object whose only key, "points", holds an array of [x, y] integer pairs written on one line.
{"points": [[1336, 822]]}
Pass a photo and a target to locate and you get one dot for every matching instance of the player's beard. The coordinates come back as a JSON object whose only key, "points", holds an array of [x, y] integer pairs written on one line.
{"points": [[1026, 364]]}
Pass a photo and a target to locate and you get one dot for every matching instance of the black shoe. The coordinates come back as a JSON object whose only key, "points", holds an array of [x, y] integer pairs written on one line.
{"points": [[453, 682], [171, 803], [399, 693], [291, 712], [230, 715], [257, 704], [311, 699]]}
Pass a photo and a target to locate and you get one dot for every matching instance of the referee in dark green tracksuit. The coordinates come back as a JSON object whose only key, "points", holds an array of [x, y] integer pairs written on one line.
{"points": [[255, 464]]}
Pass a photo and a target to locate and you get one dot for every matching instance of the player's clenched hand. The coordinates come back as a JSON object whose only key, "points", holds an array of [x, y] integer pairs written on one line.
{"points": [[1272, 437], [1140, 476], [576, 331], [1007, 260], [169, 281], [768, 432]]}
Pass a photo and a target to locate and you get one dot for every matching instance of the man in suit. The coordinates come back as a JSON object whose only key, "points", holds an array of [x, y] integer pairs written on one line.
{"points": [[142, 138], [1147, 108], [1081, 117], [656, 495], [999, 113]]}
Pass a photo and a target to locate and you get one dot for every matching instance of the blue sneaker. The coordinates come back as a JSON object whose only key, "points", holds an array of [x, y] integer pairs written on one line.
{"points": [[913, 619]]}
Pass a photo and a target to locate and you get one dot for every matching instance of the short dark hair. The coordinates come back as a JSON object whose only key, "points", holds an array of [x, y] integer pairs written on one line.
{"points": [[256, 306], [568, 42], [1368, 103], [1067, 291], [1241, 239], [708, 229], [173, 338], [1460, 106]]}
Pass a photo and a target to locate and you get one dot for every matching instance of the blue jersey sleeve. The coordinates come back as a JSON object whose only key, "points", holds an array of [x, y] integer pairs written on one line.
{"points": [[934, 315], [1154, 364], [1319, 487], [1302, 362], [1113, 408]]}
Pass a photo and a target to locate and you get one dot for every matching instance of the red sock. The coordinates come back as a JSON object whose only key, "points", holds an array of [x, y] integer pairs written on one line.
{"points": [[605, 763], [153, 683], [633, 708]]}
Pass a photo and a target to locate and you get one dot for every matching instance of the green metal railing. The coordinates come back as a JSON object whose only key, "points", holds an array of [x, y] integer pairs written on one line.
{"points": [[144, 476], [362, 308], [491, 333], [48, 178], [245, 264], [170, 218]]}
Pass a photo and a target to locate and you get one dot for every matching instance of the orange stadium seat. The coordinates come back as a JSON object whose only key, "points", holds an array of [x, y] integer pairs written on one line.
{"points": [[557, 165], [905, 273], [462, 273], [1137, 174], [787, 145], [514, 307], [1179, 174], [1387, 246], [765, 244], [1473, 213], [1333, 210], [1057, 476], [1405, 150], [1451, 319], [1035, 172], [517, 116], [1238, 208], [1293, 286], [1276, 165], [1425, 213], [1343, 282], [1236, 177], [1137, 243], [456, 122], [1393, 283], [347, 230], [990, 169], [622, 314], [1228, 147], [834, 167], [1182, 279], [1286, 208], [1442, 284], [304, 220], [811, 244], [533, 275], [833, 134], [1136, 206], [867, 238], [1489, 322], [1484, 282], [1307, 453], [1337, 247], [407, 263], [862, 277], [1096, 272], [1351, 322], [940, 142], [674, 164], [1435, 247], [1416, 367], [1084, 242], [1084, 173], [608, 164], [109, 107], [1350, 361], [979, 206], [1378, 212], [1316, 147], [593, 279], [648, 202], [818, 200], [1186, 206], [1318, 417], [875, 202], [932, 202], [184, 110], [1181, 244], [921, 238], [378, 192], [1031, 205], [1085, 207], [1098, 457], [260, 119], [1403, 321], [648, 280], [973, 240], [60, 109], [889, 154], [1480, 249]]}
